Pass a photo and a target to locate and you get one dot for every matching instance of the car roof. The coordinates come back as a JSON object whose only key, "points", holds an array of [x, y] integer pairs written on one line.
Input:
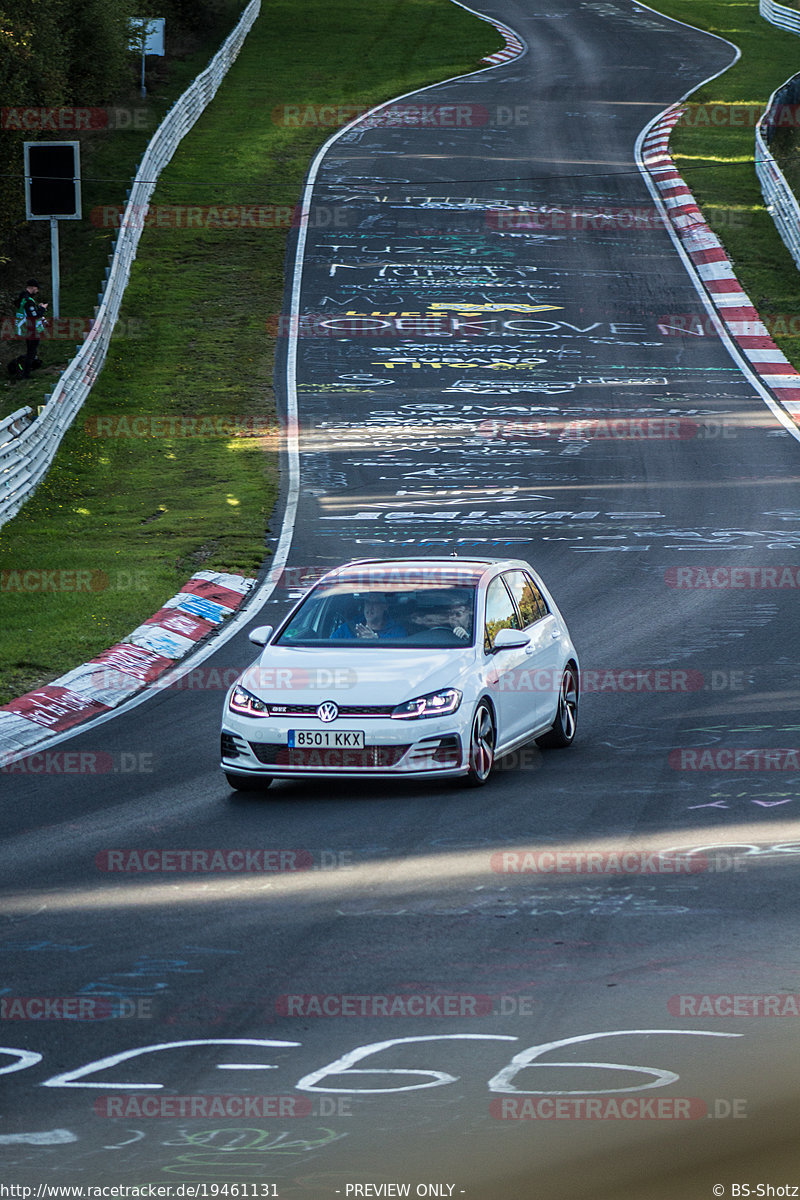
{"points": [[481, 565]]}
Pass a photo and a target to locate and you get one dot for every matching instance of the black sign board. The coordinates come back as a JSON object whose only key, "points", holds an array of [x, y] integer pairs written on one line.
{"points": [[52, 181]]}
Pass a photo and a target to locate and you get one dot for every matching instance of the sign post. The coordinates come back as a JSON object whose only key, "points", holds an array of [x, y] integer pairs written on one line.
{"points": [[53, 193], [55, 269], [147, 34]]}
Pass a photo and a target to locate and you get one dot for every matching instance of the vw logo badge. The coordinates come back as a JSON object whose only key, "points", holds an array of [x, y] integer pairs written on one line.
{"points": [[327, 711]]}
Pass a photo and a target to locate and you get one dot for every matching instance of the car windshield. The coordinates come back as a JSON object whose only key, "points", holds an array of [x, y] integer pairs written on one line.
{"points": [[382, 611]]}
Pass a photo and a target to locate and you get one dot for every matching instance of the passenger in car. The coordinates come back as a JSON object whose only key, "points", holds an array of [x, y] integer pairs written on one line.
{"points": [[375, 624]]}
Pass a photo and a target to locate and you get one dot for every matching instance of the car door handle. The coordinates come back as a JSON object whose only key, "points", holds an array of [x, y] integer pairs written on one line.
{"points": [[555, 634]]}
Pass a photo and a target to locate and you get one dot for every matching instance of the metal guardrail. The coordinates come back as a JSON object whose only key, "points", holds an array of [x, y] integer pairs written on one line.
{"points": [[11, 427], [780, 199], [780, 15], [25, 460]]}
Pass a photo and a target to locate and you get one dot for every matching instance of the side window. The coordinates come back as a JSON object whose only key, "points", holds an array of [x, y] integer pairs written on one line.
{"points": [[530, 601], [500, 612]]}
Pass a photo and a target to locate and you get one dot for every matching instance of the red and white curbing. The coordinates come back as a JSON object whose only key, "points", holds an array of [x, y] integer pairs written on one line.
{"points": [[714, 268], [115, 675], [513, 48]]}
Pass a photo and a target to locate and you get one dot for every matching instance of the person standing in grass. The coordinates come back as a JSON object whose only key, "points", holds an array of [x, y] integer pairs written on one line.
{"points": [[30, 323]]}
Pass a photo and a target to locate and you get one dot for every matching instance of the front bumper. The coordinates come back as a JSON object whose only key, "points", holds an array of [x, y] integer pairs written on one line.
{"points": [[266, 754]]}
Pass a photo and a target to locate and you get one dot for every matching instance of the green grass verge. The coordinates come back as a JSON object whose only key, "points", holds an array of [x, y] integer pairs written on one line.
{"points": [[714, 150], [145, 513]]}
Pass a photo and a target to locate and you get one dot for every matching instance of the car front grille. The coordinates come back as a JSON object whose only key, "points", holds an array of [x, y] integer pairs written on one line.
{"points": [[345, 710], [280, 755]]}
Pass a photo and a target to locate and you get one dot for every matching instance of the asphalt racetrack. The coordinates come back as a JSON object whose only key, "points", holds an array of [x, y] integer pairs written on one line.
{"points": [[489, 356]]}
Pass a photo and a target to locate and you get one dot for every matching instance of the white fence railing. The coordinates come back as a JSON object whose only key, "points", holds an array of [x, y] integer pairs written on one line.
{"points": [[25, 460], [780, 199], [11, 427], [780, 15]]}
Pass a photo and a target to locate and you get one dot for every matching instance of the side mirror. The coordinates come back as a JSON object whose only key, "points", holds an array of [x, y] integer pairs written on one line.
{"points": [[510, 639], [260, 635]]}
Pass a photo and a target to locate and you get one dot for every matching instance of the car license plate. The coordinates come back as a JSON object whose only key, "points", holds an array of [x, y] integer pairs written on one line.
{"points": [[327, 739]]}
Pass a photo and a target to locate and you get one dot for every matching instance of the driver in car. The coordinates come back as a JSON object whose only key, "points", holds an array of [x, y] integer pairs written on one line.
{"points": [[455, 615], [376, 622], [459, 618]]}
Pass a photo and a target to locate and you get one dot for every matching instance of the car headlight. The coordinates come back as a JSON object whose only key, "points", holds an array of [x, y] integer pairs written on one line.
{"points": [[246, 703], [435, 704]]}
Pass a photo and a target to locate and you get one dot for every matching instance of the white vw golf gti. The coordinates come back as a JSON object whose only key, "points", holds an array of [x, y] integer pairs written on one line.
{"points": [[404, 667]]}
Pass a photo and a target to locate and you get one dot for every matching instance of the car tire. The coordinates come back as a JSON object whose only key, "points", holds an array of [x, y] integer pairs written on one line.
{"points": [[565, 725], [248, 783], [482, 741]]}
